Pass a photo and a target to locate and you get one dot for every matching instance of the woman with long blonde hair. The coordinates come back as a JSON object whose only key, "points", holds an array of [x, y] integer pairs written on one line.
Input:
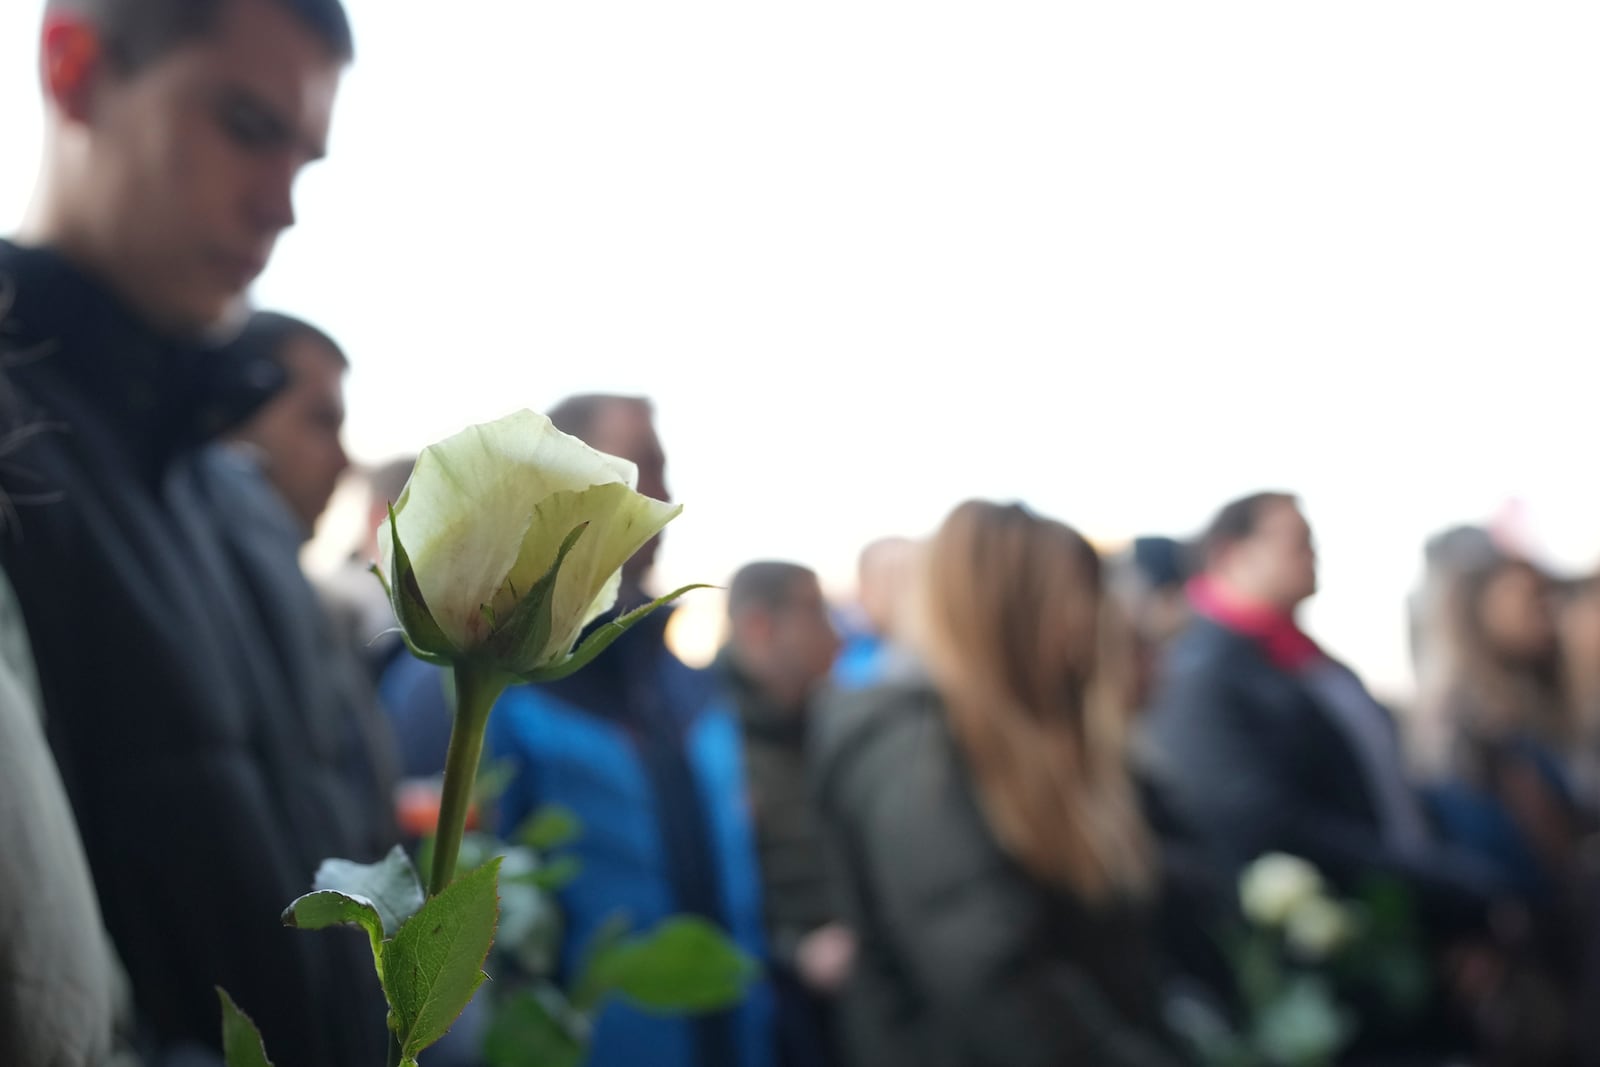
{"points": [[1491, 688], [997, 871]]}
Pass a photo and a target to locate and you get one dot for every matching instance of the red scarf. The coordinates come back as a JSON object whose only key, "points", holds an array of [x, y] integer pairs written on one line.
{"points": [[1280, 638]]}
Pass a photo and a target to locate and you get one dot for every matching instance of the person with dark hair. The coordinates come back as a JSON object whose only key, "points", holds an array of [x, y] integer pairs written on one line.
{"points": [[200, 741], [584, 413], [296, 438], [639, 746], [1162, 561], [174, 199], [291, 452], [133, 34], [627, 426], [781, 645], [1148, 578], [1261, 742]]}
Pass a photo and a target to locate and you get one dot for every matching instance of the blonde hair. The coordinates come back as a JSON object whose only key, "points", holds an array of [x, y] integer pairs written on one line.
{"points": [[1037, 673], [1464, 685]]}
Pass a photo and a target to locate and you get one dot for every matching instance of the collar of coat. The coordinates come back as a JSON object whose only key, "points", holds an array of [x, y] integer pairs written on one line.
{"points": [[1274, 631], [163, 395]]}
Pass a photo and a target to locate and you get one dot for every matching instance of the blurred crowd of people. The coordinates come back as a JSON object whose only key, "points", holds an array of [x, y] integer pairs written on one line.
{"points": [[993, 815], [1478, 797]]}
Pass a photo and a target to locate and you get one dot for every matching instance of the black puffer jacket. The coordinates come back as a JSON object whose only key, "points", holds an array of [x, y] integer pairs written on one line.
{"points": [[965, 960], [204, 741]]}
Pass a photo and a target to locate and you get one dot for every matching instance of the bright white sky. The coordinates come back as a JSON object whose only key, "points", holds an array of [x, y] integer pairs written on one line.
{"points": [[870, 258]]}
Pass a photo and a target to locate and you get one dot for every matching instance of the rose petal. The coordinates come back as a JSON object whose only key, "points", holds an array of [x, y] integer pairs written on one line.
{"points": [[620, 522], [460, 547]]}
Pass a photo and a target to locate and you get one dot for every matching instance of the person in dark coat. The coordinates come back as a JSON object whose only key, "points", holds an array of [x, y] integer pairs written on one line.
{"points": [[1261, 742], [1265, 743], [781, 648], [997, 872], [291, 451], [645, 752], [201, 744]]}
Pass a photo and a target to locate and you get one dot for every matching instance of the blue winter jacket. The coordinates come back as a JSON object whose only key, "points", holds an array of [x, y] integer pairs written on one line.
{"points": [[641, 749]]}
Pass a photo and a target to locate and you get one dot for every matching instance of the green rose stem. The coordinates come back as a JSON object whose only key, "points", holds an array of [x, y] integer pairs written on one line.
{"points": [[477, 688]]}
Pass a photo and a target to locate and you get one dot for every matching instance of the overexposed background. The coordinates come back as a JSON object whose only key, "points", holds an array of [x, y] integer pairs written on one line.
{"points": [[870, 258]]}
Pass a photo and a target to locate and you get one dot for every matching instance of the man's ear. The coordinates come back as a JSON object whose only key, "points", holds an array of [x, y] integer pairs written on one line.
{"points": [[71, 59]]}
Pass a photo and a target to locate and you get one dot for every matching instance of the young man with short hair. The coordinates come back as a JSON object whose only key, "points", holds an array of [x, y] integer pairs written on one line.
{"points": [[202, 747]]}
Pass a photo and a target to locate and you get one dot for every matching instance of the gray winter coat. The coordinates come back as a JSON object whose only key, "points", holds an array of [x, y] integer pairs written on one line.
{"points": [[965, 960], [61, 994]]}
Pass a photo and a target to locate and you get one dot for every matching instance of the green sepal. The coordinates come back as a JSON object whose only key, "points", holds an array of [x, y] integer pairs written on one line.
{"points": [[426, 657], [388, 594], [602, 638], [423, 635], [526, 630]]}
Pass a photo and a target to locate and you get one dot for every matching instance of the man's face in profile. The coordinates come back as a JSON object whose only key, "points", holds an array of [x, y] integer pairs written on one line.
{"points": [[299, 432], [1282, 556]]}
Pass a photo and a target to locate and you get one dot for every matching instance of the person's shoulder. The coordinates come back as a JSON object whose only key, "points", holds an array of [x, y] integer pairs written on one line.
{"points": [[1208, 671], [233, 474], [1206, 648], [1205, 634], [690, 690], [856, 724]]}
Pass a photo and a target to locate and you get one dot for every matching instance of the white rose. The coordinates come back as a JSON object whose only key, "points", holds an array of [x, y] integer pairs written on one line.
{"points": [[1318, 927], [1274, 885], [507, 541]]}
